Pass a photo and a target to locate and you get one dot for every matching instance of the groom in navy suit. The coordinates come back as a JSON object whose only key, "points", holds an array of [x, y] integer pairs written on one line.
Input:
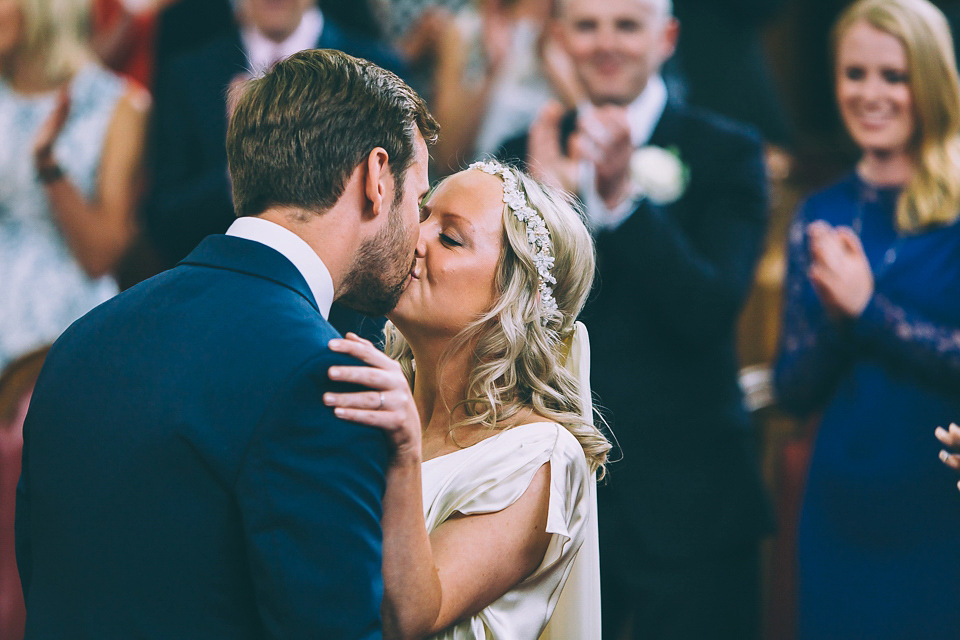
{"points": [[182, 477]]}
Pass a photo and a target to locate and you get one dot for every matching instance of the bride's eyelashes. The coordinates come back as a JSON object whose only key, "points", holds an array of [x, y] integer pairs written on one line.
{"points": [[450, 241]]}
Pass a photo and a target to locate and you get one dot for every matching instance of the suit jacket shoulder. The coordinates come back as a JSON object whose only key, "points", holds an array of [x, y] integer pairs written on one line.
{"points": [[183, 428], [723, 156], [705, 137], [221, 58], [335, 36]]}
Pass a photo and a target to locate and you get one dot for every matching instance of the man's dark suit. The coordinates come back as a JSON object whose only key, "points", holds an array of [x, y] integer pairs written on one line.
{"points": [[670, 285], [182, 477], [191, 197]]}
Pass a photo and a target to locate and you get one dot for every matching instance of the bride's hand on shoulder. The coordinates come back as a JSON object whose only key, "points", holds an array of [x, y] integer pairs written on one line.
{"points": [[387, 405]]}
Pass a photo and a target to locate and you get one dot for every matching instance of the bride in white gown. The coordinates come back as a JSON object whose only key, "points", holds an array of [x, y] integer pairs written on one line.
{"points": [[485, 397]]}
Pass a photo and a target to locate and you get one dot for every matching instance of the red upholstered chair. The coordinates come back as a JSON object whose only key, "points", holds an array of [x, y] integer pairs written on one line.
{"points": [[16, 386], [790, 481]]}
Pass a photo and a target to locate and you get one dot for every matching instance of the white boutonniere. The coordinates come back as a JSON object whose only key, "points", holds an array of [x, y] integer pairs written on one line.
{"points": [[658, 174]]}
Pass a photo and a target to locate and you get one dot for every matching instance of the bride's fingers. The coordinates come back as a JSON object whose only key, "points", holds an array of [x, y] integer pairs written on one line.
{"points": [[951, 460], [387, 420], [372, 400], [355, 338], [950, 438], [366, 376]]}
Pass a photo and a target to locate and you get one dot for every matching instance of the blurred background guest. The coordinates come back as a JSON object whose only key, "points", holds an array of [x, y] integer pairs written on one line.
{"points": [[190, 197], [123, 36], [870, 338], [489, 81], [678, 234], [400, 17], [361, 17], [70, 171], [721, 64], [185, 25]]}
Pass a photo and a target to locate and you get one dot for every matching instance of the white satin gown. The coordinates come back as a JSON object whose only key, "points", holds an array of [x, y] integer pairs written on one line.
{"points": [[492, 475]]}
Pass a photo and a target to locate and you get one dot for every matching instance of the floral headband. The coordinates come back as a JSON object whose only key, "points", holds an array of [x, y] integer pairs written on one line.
{"points": [[537, 234]]}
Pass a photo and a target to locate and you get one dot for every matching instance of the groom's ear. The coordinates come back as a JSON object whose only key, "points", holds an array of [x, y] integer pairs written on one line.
{"points": [[379, 183]]}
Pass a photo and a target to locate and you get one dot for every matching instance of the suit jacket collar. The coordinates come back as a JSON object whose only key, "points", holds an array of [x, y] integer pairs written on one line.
{"points": [[645, 111], [667, 131], [251, 258], [223, 58], [332, 36]]}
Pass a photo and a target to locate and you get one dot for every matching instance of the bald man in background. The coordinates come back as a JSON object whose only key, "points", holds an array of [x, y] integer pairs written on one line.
{"points": [[677, 237]]}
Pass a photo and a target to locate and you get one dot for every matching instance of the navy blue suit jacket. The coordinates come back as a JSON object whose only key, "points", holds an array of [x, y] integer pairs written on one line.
{"points": [[182, 477]]}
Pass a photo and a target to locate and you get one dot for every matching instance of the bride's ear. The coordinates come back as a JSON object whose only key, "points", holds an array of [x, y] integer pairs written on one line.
{"points": [[378, 186]]}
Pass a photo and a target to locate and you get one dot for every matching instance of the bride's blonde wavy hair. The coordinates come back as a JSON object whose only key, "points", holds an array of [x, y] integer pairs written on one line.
{"points": [[932, 196], [517, 358]]}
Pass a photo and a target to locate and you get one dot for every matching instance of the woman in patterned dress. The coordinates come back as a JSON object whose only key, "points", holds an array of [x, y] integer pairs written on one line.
{"points": [[70, 168]]}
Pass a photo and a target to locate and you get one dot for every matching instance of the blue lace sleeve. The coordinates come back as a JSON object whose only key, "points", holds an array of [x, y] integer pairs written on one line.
{"points": [[814, 351], [911, 343]]}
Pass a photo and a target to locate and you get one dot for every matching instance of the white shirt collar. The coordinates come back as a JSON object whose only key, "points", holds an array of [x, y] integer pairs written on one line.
{"points": [[262, 52], [644, 113], [293, 248]]}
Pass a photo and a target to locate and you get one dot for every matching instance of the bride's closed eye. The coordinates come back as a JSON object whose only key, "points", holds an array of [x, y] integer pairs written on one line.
{"points": [[450, 241]]}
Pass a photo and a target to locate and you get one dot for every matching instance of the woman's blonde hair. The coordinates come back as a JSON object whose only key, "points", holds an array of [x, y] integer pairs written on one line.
{"points": [[57, 32], [518, 348], [932, 196]]}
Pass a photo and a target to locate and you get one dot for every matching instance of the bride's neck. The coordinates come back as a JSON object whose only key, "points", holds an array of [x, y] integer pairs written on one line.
{"points": [[440, 383]]}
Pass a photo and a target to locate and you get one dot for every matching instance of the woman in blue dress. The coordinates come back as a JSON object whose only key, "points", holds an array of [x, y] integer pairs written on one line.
{"points": [[872, 338]]}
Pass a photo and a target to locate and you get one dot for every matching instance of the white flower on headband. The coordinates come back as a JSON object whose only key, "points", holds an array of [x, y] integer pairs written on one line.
{"points": [[538, 236]]}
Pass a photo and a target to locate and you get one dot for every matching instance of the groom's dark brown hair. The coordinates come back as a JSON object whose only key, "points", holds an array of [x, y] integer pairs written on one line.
{"points": [[297, 133]]}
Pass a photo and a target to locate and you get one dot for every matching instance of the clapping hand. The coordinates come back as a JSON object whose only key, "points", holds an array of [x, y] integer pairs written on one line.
{"points": [[839, 270], [388, 405], [607, 133], [421, 44], [950, 438], [50, 130], [559, 69], [602, 138], [547, 161], [497, 36]]}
